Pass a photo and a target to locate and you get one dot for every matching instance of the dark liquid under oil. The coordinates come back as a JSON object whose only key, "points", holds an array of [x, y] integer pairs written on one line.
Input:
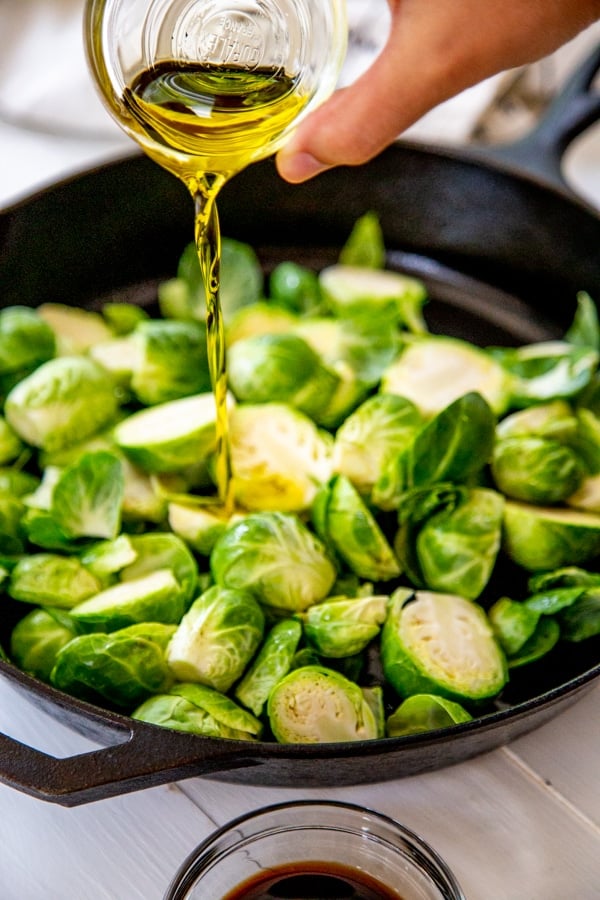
{"points": [[312, 881]]}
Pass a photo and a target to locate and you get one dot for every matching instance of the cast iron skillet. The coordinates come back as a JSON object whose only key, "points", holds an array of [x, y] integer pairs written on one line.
{"points": [[504, 248]]}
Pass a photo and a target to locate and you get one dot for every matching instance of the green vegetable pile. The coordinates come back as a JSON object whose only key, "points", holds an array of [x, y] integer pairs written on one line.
{"points": [[383, 477]]}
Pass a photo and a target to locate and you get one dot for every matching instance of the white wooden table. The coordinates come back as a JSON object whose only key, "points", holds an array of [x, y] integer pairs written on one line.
{"points": [[520, 823]]}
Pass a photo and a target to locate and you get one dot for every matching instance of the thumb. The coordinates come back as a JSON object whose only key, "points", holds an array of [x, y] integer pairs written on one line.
{"points": [[358, 121]]}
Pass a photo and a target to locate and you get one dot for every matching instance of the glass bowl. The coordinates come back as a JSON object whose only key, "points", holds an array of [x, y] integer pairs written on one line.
{"points": [[308, 850]]}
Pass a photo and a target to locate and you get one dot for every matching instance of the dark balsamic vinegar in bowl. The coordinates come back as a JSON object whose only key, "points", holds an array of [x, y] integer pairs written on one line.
{"points": [[313, 881]]}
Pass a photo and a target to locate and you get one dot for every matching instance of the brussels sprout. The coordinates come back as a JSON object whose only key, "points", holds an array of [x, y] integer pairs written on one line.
{"points": [[434, 371], [280, 368], [200, 710], [197, 526], [151, 598], [343, 520], [425, 712], [342, 626], [365, 246], [389, 296], [449, 539], [536, 470], [163, 550], [554, 420], [169, 437], [64, 401], [122, 317], [513, 623], [11, 445], [374, 434], [118, 358], [75, 329], [440, 644], [87, 497], [295, 288], [365, 345], [106, 559], [315, 704], [258, 318], [36, 639], [26, 341], [277, 558], [454, 446], [546, 371], [278, 457], [170, 361], [158, 632], [48, 579], [216, 638], [15, 483], [115, 668], [272, 662], [543, 538]]}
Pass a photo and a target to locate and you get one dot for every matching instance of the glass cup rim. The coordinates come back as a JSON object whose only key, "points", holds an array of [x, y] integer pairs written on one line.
{"points": [[184, 877]]}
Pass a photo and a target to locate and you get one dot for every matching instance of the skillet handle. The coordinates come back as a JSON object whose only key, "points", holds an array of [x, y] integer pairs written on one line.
{"points": [[574, 109], [146, 756]]}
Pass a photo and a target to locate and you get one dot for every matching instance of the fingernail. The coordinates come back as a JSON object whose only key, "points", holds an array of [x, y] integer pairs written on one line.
{"points": [[298, 167]]}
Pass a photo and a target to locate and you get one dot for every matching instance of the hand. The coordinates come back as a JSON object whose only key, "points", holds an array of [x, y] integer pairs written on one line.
{"points": [[435, 49]]}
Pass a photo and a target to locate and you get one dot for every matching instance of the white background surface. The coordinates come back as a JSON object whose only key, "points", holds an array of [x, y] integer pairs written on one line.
{"points": [[520, 823]]}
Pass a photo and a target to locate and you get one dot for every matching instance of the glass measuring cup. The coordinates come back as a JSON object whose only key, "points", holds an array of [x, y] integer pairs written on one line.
{"points": [[206, 87]]}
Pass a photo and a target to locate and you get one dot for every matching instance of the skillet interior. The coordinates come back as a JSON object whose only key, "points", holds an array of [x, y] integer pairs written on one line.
{"points": [[503, 258]]}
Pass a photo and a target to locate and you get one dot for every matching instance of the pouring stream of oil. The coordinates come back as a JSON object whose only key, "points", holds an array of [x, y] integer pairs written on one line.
{"points": [[204, 123]]}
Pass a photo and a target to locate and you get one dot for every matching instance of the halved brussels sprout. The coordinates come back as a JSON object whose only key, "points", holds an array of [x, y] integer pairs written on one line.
{"points": [[536, 469], [75, 329], [36, 639], [344, 521], [63, 402], [434, 371], [280, 368], [542, 538], [440, 644], [372, 436], [169, 361], [554, 420], [216, 638], [200, 710], [152, 598], [169, 437], [278, 457], [315, 704], [449, 539], [49, 579], [343, 626], [258, 318], [390, 296], [163, 550], [550, 370], [116, 668], [277, 558], [198, 526], [272, 662], [295, 288], [26, 340], [425, 712]]}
